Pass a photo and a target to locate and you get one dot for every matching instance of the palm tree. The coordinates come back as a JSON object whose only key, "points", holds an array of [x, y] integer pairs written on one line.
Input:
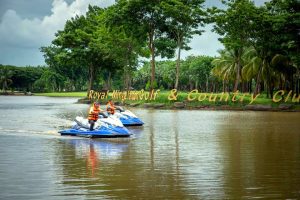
{"points": [[5, 77], [252, 68], [225, 66], [284, 65], [259, 67]]}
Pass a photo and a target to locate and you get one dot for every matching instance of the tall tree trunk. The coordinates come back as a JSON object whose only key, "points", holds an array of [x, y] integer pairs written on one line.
{"points": [[152, 51], [128, 84], [227, 86], [280, 82], [91, 78], [238, 75], [215, 87], [178, 63], [206, 83], [124, 78], [4, 86], [127, 68], [190, 83], [223, 85], [109, 81], [258, 82], [298, 83], [271, 87], [292, 87], [250, 86]]}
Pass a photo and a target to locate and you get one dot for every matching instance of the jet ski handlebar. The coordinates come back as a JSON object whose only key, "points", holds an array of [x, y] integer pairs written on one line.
{"points": [[103, 114], [119, 108]]}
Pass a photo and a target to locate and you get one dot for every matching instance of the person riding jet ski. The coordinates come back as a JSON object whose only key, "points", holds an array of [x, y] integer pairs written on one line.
{"points": [[110, 107], [92, 126], [93, 114]]}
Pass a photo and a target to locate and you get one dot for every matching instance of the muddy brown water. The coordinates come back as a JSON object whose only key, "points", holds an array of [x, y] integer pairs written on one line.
{"points": [[175, 155]]}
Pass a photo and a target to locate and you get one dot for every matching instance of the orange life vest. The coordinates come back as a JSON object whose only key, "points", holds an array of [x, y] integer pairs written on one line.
{"points": [[93, 113], [110, 108]]}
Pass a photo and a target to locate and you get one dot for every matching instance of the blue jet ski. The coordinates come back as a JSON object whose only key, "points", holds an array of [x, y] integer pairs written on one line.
{"points": [[127, 117], [107, 128]]}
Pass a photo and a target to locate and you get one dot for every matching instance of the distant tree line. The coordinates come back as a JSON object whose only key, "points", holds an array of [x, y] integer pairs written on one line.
{"points": [[20, 78], [103, 48], [195, 73]]}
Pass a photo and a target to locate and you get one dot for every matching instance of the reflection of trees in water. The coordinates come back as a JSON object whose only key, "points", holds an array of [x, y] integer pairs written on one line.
{"points": [[231, 156], [261, 156], [163, 178]]}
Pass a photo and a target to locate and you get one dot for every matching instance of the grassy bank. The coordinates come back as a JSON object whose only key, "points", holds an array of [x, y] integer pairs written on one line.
{"points": [[213, 101], [240, 101], [62, 94]]}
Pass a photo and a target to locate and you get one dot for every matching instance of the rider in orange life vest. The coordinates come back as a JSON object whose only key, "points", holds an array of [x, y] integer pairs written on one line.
{"points": [[110, 107], [94, 114]]}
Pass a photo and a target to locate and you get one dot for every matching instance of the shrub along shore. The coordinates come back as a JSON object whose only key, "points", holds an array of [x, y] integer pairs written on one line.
{"points": [[197, 101]]}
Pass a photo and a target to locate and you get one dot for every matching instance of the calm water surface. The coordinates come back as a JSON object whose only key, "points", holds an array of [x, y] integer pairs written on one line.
{"points": [[175, 155]]}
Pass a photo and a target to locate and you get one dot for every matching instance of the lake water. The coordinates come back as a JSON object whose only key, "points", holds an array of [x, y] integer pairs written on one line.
{"points": [[175, 155]]}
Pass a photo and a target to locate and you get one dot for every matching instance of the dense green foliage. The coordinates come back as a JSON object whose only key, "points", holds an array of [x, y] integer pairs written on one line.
{"points": [[262, 45], [103, 49], [21, 78]]}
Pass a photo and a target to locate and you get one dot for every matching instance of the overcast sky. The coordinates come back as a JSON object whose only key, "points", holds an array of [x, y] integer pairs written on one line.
{"points": [[26, 25]]}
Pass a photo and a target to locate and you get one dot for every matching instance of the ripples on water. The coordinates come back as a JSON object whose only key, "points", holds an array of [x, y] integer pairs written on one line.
{"points": [[176, 155]]}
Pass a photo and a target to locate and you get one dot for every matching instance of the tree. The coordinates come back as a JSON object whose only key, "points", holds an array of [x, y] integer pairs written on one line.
{"points": [[225, 67], [256, 67], [147, 20], [183, 20], [141, 76], [233, 25], [200, 68], [51, 80], [81, 43], [63, 62], [129, 46], [286, 25], [283, 65], [5, 77]]}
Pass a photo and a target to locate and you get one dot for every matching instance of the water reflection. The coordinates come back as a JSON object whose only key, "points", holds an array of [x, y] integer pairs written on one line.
{"points": [[94, 152], [260, 162], [175, 155]]}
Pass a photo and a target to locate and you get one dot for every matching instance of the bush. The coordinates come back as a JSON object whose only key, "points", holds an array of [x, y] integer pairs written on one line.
{"points": [[148, 85]]}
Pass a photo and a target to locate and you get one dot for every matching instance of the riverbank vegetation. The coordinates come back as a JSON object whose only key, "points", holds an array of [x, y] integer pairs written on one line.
{"points": [[217, 101], [106, 49]]}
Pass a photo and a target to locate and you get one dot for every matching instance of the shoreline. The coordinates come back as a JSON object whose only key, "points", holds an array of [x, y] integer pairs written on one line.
{"points": [[176, 105], [282, 107]]}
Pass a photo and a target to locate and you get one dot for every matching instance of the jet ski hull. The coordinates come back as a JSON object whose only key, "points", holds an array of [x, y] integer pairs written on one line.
{"points": [[93, 134], [105, 130], [131, 122]]}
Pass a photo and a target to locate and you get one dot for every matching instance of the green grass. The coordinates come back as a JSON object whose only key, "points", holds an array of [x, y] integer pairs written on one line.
{"points": [[62, 94], [162, 98], [182, 97]]}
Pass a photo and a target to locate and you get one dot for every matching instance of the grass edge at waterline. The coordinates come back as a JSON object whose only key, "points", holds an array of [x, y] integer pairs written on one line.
{"points": [[162, 102], [62, 94]]}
